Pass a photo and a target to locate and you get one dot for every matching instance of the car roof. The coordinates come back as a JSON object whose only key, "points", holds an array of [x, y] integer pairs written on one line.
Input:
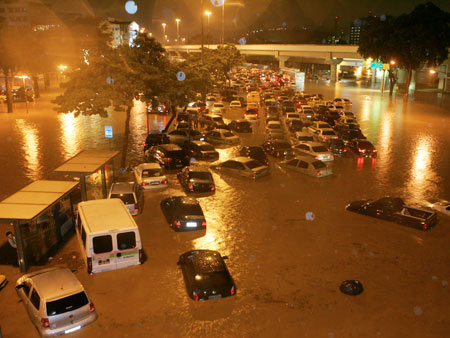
{"points": [[122, 188], [185, 199], [308, 159], [198, 168], [54, 283], [149, 165]]}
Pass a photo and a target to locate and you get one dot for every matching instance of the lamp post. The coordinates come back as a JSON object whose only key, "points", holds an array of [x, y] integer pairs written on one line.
{"points": [[23, 77], [178, 32], [208, 14], [164, 32]]}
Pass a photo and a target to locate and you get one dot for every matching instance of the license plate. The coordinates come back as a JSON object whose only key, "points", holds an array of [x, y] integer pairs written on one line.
{"points": [[215, 297], [104, 261], [154, 183], [191, 224], [76, 328]]}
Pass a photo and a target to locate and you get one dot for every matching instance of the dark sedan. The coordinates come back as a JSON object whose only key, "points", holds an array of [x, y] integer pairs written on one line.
{"points": [[362, 148], [196, 179], [337, 147], [348, 135], [169, 156], [201, 151], [254, 152], [183, 213], [279, 148], [240, 126], [206, 275]]}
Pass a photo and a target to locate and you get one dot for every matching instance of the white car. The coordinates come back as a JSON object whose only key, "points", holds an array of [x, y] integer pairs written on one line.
{"points": [[274, 126], [222, 136], [252, 105], [150, 176], [342, 102], [210, 101], [307, 165], [346, 120], [347, 114], [302, 137], [325, 135], [336, 108], [292, 116], [315, 149], [218, 108], [252, 119], [316, 125], [242, 167], [442, 206], [235, 104]]}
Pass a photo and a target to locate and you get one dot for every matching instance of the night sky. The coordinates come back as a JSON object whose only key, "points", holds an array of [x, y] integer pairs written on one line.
{"points": [[242, 15]]}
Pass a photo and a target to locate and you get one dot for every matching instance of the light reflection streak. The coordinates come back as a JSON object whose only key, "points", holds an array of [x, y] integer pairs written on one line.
{"points": [[70, 135], [384, 147], [31, 149]]}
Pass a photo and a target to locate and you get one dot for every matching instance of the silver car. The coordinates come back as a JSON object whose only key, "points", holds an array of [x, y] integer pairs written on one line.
{"points": [[242, 166], [307, 165], [129, 193], [55, 301], [315, 149]]}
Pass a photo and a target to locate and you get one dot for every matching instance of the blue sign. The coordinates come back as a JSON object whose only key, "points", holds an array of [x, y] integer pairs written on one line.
{"points": [[181, 76], [108, 132], [377, 65]]}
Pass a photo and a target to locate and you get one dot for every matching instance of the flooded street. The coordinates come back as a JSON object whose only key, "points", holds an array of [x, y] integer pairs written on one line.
{"points": [[287, 267]]}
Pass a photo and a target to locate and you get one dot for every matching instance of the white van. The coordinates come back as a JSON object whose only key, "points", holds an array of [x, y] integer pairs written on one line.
{"points": [[109, 236]]}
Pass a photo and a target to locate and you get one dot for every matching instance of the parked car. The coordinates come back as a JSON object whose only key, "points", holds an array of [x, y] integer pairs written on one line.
{"points": [[201, 150], [362, 148], [325, 135], [342, 102], [196, 179], [241, 126], [279, 148], [181, 136], [307, 165], [243, 167], [220, 136], [156, 139], [302, 137], [274, 126], [315, 149], [130, 193], [206, 276], [347, 135], [337, 147], [440, 205], [150, 176], [254, 152], [169, 156], [183, 213], [56, 301], [218, 108], [235, 104], [394, 209]]}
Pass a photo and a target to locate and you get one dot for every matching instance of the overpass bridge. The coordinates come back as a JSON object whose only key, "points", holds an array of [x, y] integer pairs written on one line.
{"points": [[334, 55]]}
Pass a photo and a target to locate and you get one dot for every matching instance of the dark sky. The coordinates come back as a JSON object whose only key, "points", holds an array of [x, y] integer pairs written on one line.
{"points": [[241, 15]]}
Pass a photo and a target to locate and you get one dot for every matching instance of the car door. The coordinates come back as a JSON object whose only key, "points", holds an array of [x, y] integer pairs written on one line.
{"points": [[302, 167], [23, 291], [292, 164]]}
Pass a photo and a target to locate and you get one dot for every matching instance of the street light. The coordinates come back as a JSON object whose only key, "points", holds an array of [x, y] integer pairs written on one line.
{"points": [[392, 62], [223, 22], [178, 31], [164, 31], [23, 77], [208, 14]]}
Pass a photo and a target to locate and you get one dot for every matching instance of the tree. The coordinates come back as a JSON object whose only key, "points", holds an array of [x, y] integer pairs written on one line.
{"points": [[222, 60], [377, 41], [422, 37]]}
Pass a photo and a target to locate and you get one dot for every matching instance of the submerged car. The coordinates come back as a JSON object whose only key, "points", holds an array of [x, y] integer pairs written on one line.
{"points": [[279, 149], [315, 149], [183, 213], [243, 167], [307, 165], [221, 136], [255, 152], [169, 156], [129, 193], [362, 148], [201, 151], [56, 301], [206, 275], [150, 176], [196, 179]]}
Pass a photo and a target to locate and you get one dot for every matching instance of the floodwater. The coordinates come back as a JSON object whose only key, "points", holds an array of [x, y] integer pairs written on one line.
{"points": [[287, 267]]}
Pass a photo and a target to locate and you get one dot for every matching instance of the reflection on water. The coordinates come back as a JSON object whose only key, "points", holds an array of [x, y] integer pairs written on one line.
{"points": [[70, 134], [31, 149], [384, 145]]}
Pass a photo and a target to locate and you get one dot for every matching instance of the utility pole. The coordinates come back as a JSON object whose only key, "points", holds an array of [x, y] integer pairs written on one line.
{"points": [[201, 9], [223, 22]]}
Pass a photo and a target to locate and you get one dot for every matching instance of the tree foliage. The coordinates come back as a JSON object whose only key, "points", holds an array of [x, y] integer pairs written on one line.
{"points": [[222, 60]]}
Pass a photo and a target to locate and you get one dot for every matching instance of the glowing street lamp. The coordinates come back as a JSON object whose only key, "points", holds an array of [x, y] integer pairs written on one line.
{"points": [[164, 31], [392, 62], [208, 14], [178, 31]]}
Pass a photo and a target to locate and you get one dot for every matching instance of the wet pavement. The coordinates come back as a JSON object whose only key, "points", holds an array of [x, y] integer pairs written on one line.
{"points": [[287, 265]]}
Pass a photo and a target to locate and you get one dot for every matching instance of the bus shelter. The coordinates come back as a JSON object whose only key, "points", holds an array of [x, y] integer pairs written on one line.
{"points": [[94, 168], [42, 214]]}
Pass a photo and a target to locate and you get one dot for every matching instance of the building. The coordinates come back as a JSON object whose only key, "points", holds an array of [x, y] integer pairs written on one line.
{"points": [[355, 32]]}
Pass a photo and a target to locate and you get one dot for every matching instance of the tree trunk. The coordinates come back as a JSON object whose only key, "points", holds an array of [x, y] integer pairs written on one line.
{"points": [[46, 80], [408, 81], [37, 92], [126, 138], [8, 90]]}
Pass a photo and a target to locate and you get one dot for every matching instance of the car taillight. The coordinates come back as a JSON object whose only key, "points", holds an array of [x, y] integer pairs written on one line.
{"points": [[141, 256], [191, 186], [203, 223], [317, 156], [167, 159], [238, 127], [213, 187], [144, 183], [194, 294], [345, 150], [136, 210], [277, 154], [361, 150], [319, 173], [91, 307], [186, 157], [374, 150], [233, 290], [177, 223], [89, 265], [165, 182], [45, 322], [251, 126]]}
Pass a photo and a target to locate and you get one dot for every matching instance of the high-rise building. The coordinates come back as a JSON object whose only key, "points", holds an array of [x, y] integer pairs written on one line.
{"points": [[355, 32]]}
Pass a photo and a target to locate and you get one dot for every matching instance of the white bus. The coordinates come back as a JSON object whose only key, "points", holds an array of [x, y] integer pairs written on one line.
{"points": [[109, 237]]}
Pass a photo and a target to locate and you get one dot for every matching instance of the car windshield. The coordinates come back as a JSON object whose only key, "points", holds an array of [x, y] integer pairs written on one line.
{"points": [[151, 173], [274, 126], [126, 198], [66, 304], [191, 209], [218, 105], [318, 165], [229, 134], [253, 164], [319, 149], [201, 175], [281, 145], [323, 125], [365, 144], [328, 132], [305, 138]]}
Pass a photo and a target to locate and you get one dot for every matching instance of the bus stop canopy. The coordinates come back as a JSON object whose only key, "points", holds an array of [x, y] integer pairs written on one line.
{"points": [[86, 162], [33, 199]]}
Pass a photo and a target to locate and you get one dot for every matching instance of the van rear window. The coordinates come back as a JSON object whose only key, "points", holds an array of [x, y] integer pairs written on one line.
{"points": [[102, 244], [126, 240], [126, 198], [67, 304]]}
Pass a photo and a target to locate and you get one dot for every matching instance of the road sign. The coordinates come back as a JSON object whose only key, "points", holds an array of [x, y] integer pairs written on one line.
{"points": [[108, 131], [386, 66], [377, 65]]}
